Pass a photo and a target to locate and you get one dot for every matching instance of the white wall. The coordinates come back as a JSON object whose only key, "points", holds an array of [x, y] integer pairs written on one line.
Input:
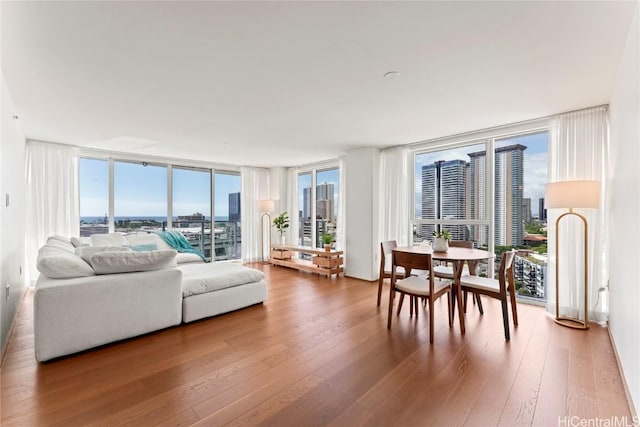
{"points": [[362, 190], [624, 283], [12, 223]]}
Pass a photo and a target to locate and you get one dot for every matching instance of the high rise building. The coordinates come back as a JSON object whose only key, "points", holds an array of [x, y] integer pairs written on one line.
{"points": [[509, 184], [526, 208], [234, 206], [325, 202], [477, 200], [542, 211], [444, 196], [306, 203]]}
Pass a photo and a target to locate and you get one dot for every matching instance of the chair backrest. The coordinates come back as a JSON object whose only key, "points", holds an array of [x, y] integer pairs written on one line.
{"points": [[461, 244], [506, 268], [411, 261], [386, 248]]}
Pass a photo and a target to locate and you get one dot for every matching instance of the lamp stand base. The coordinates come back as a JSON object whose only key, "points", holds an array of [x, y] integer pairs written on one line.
{"points": [[570, 322]]}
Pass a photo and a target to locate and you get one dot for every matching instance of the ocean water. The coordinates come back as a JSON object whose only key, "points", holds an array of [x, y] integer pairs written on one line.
{"points": [[100, 219]]}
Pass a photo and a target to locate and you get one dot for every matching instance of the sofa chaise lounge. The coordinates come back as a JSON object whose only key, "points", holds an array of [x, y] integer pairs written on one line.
{"points": [[90, 295]]}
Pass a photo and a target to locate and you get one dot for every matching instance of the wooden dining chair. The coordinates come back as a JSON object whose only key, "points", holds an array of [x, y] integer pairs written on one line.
{"points": [[444, 271], [385, 264], [424, 285], [502, 288]]}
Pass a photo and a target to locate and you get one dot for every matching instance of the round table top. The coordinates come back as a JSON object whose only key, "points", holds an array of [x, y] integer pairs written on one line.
{"points": [[453, 254]]}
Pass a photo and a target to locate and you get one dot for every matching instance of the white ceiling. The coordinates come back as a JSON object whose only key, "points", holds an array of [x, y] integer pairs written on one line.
{"points": [[286, 83]]}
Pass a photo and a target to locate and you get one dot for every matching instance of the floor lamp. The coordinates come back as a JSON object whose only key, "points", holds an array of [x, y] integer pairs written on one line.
{"points": [[266, 207], [573, 194]]}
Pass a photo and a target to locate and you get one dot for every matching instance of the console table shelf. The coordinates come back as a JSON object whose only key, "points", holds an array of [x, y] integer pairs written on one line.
{"points": [[324, 263]]}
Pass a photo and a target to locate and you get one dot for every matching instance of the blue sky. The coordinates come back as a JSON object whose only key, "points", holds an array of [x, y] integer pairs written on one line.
{"points": [[142, 190]]}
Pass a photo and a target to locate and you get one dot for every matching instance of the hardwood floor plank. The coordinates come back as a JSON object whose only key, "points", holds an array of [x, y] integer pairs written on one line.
{"points": [[318, 352], [552, 401]]}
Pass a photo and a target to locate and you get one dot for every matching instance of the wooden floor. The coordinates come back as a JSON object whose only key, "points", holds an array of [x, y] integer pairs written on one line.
{"points": [[318, 353]]}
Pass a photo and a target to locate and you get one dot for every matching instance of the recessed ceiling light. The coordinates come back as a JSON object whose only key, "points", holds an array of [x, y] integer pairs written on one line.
{"points": [[391, 74]]}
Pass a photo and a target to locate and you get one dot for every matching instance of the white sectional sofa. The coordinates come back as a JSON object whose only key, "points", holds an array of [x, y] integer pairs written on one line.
{"points": [[96, 294]]}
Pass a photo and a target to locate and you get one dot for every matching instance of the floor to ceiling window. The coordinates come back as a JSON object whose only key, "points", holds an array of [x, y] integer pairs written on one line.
{"points": [[318, 191], [191, 206], [139, 196], [141, 203], [491, 192], [227, 209], [305, 212], [327, 189], [93, 179]]}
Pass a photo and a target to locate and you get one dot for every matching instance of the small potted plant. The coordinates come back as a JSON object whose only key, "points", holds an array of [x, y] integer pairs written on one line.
{"points": [[441, 241], [281, 223], [327, 239]]}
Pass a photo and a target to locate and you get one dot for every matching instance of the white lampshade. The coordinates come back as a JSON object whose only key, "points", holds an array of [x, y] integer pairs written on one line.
{"points": [[267, 205], [572, 194]]}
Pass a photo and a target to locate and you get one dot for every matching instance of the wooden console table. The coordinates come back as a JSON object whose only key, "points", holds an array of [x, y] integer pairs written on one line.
{"points": [[324, 263]]}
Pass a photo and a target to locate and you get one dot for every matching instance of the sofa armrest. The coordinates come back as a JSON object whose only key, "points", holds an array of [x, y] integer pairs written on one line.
{"points": [[72, 315]]}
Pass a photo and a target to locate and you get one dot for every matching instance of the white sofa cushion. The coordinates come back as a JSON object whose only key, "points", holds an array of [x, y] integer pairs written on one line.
{"points": [[85, 252], [57, 264], [111, 239], [128, 262], [202, 278]]}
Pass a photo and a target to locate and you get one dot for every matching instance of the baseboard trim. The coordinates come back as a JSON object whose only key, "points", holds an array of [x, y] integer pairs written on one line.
{"points": [[13, 324], [632, 408]]}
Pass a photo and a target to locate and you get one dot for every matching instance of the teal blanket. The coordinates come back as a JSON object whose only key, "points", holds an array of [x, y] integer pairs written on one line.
{"points": [[177, 241]]}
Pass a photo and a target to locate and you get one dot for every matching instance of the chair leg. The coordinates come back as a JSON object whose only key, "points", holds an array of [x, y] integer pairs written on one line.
{"points": [[411, 306], [505, 319], [400, 303], [449, 305], [464, 305], [415, 302], [380, 280], [431, 319], [476, 297], [514, 308], [391, 293]]}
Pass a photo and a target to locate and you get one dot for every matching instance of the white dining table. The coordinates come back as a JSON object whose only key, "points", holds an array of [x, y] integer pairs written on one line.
{"points": [[457, 256]]}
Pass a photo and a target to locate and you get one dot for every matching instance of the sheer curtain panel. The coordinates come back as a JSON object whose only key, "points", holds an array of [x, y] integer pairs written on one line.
{"points": [[395, 197], [578, 150], [292, 209], [52, 199], [254, 187], [342, 219]]}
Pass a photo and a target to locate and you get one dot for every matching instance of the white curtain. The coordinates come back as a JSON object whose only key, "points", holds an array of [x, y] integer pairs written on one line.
{"points": [[254, 187], [52, 196], [342, 218], [578, 150], [395, 199], [293, 234]]}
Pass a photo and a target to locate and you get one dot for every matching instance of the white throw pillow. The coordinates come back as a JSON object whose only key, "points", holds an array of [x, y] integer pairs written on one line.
{"points": [[85, 252], [62, 265], [80, 242], [60, 244], [111, 239], [128, 262]]}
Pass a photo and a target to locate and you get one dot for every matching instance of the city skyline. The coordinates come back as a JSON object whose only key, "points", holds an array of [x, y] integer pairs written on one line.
{"points": [[535, 165]]}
